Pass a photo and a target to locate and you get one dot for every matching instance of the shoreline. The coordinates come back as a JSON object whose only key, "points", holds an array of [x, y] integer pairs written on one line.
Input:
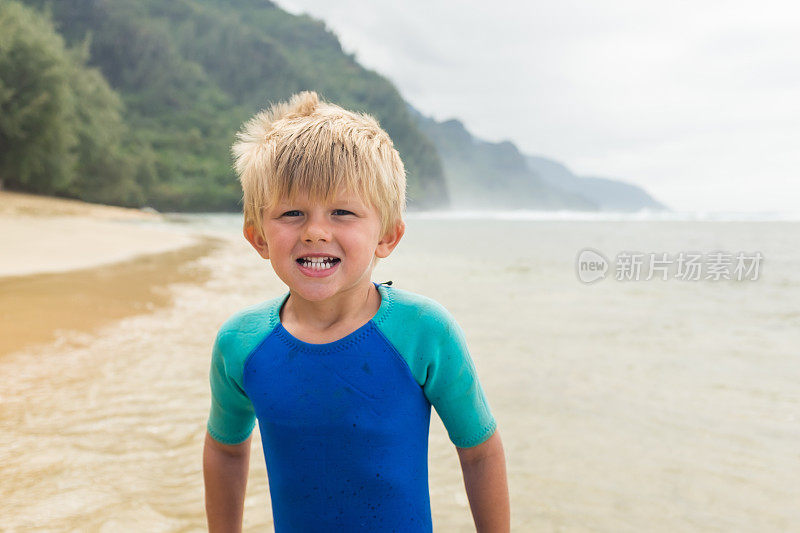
{"points": [[71, 266]]}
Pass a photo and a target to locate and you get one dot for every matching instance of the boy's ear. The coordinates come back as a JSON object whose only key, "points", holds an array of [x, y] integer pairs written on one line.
{"points": [[390, 240], [257, 241]]}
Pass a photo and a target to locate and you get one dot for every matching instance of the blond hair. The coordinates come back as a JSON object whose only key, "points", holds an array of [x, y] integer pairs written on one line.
{"points": [[318, 148]]}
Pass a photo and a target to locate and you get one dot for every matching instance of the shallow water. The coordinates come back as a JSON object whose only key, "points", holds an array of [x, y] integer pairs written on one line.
{"points": [[36, 308], [623, 406]]}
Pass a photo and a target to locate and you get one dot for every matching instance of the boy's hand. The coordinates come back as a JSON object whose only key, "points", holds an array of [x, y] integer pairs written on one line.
{"points": [[484, 470], [225, 471]]}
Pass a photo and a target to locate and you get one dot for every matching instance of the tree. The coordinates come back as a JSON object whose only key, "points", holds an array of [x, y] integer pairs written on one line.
{"points": [[37, 107], [61, 126], [107, 163]]}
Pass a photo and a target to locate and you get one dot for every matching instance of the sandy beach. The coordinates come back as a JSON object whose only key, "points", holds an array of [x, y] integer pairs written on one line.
{"points": [[44, 234], [71, 265]]}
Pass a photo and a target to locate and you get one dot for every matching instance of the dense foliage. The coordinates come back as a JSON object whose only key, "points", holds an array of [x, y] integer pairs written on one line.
{"points": [[185, 74], [61, 130]]}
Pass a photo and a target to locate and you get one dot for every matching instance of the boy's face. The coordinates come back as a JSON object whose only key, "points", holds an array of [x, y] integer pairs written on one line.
{"points": [[323, 250]]}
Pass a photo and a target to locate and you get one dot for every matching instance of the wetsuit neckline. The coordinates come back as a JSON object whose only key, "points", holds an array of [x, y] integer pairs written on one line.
{"points": [[349, 339]]}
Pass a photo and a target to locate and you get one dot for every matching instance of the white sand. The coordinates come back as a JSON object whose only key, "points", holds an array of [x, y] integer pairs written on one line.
{"points": [[41, 234]]}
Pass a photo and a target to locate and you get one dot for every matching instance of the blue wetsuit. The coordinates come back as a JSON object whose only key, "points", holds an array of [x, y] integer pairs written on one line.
{"points": [[344, 425]]}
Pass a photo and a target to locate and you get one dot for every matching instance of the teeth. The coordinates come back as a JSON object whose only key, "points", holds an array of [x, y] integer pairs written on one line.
{"points": [[318, 263]]}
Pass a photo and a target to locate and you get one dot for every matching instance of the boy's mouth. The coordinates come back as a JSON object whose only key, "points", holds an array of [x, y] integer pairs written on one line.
{"points": [[318, 263]]}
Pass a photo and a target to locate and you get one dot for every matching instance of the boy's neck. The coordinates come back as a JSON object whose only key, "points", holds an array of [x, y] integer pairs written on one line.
{"points": [[335, 317]]}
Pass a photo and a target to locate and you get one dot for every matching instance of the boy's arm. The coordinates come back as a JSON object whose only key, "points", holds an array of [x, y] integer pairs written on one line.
{"points": [[225, 471], [484, 469]]}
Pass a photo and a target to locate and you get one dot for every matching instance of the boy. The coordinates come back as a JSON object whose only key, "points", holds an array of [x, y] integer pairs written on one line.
{"points": [[339, 372]]}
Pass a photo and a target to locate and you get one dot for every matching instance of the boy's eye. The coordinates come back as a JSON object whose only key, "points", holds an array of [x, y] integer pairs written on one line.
{"points": [[342, 212], [292, 213]]}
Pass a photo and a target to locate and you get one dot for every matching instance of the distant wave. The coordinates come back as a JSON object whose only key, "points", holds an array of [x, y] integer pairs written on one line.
{"points": [[611, 216]]}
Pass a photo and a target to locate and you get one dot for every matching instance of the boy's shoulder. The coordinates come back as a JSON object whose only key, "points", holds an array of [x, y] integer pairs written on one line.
{"points": [[414, 311], [421, 307], [424, 306], [248, 326]]}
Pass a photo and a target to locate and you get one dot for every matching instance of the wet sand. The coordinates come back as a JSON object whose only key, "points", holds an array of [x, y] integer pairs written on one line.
{"points": [[39, 307]]}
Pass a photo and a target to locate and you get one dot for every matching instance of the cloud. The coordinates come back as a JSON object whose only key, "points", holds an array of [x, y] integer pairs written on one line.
{"points": [[669, 96]]}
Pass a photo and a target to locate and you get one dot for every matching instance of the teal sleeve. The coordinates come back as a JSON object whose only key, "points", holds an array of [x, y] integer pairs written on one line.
{"points": [[232, 416], [452, 387], [433, 345]]}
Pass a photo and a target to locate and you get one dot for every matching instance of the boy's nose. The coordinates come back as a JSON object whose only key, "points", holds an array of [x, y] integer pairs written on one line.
{"points": [[316, 230]]}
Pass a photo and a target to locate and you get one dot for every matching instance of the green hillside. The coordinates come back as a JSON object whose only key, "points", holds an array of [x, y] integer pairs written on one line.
{"points": [[186, 73]]}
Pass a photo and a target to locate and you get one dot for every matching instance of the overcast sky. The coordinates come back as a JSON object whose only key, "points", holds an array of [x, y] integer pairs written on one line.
{"points": [[698, 102]]}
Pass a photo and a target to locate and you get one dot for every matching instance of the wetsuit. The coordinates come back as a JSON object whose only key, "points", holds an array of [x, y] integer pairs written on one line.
{"points": [[344, 425]]}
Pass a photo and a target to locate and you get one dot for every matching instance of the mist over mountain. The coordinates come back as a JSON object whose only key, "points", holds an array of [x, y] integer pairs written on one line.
{"points": [[485, 175], [607, 194]]}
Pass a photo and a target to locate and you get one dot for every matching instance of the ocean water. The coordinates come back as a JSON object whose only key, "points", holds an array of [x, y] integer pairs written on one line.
{"points": [[623, 405]]}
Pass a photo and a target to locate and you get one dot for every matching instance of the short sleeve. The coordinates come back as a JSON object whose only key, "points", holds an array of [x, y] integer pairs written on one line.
{"points": [[452, 386], [232, 416]]}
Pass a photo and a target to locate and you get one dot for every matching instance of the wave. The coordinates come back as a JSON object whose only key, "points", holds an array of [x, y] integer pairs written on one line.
{"points": [[611, 216]]}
